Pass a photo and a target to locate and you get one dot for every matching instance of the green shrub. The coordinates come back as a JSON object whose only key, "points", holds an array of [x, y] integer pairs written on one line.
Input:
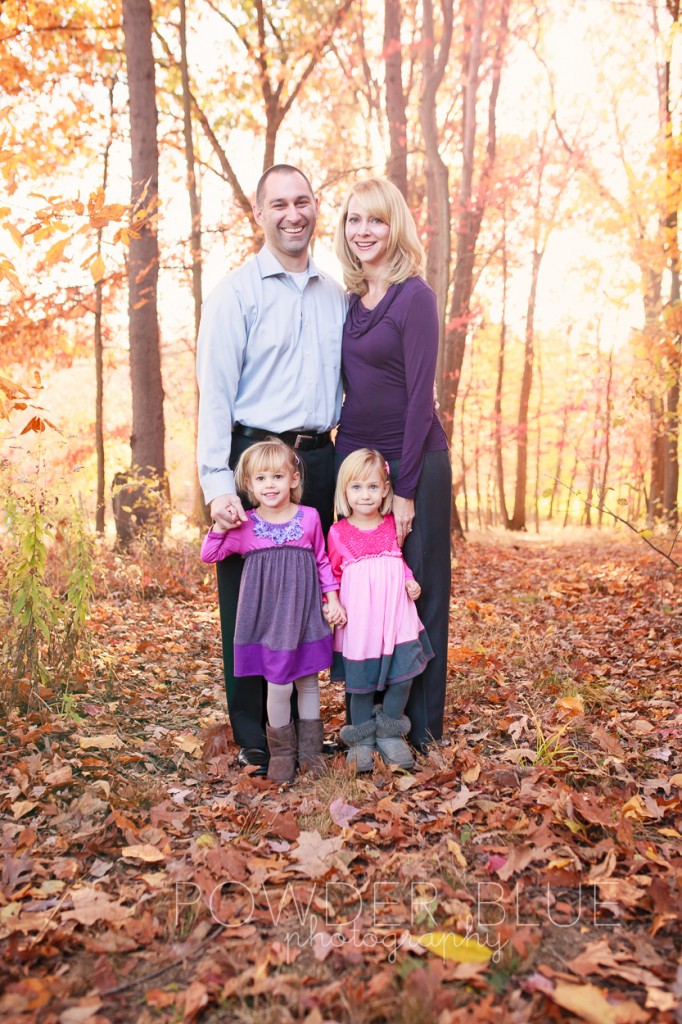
{"points": [[47, 560]]}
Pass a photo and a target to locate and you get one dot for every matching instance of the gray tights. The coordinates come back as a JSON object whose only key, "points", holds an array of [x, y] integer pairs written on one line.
{"points": [[395, 699]]}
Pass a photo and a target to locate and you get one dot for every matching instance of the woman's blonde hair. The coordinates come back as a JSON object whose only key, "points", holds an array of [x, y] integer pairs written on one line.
{"points": [[405, 253], [360, 466], [267, 456]]}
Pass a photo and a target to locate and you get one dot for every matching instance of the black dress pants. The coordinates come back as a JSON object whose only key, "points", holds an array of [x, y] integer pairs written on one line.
{"points": [[427, 552], [246, 695]]}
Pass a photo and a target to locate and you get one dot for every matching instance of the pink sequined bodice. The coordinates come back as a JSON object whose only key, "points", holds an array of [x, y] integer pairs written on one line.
{"points": [[361, 543]]}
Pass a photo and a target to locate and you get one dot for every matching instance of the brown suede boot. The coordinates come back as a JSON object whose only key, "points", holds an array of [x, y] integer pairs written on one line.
{"points": [[310, 732], [282, 746]]}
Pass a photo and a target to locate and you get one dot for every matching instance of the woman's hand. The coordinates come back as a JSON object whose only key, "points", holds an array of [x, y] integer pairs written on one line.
{"points": [[413, 589], [333, 610], [403, 513]]}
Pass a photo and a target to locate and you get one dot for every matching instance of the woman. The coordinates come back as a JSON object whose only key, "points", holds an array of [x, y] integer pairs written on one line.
{"points": [[389, 353]]}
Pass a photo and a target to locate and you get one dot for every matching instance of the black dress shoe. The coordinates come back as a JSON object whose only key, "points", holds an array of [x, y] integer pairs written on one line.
{"points": [[330, 747], [249, 757]]}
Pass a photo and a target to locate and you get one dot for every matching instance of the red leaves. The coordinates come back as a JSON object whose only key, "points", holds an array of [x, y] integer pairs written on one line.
{"points": [[129, 831]]}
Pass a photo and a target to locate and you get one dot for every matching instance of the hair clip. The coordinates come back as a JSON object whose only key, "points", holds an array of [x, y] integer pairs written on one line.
{"points": [[388, 471], [296, 459]]}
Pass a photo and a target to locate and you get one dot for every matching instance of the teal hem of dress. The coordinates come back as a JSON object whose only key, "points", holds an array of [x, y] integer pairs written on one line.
{"points": [[406, 661]]}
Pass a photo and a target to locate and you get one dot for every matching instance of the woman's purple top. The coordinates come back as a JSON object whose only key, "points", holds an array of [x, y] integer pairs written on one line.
{"points": [[389, 358]]}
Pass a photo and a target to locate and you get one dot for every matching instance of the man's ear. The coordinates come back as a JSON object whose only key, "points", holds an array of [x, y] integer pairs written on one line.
{"points": [[257, 214]]}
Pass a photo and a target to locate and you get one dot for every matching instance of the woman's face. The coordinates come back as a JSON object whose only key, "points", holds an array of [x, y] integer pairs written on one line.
{"points": [[366, 235]]}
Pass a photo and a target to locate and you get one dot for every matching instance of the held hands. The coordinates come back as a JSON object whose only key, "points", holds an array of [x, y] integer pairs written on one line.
{"points": [[333, 610], [413, 589], [403, 513], [227, 513]]}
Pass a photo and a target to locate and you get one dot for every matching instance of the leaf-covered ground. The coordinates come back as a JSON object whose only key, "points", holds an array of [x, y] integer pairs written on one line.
{"points": [[539, 845]]}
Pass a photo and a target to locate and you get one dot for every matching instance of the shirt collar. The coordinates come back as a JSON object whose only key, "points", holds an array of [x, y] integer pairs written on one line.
{"points": [[269, 265]]}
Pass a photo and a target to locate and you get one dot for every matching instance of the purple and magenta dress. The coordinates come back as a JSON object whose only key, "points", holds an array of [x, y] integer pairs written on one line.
{"points": [[280, 631]]}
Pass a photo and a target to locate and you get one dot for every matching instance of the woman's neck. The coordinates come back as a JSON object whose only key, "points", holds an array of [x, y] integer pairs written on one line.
{"points": [[281, 514], [376, 287]]}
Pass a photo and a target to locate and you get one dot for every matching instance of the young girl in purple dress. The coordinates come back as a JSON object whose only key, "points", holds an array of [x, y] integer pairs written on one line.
{"points": [[281, 632], [383, 645]]}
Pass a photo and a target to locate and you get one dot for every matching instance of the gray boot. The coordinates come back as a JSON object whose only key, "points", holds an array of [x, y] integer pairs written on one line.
{"points": [[360, 741], [390, 743]]}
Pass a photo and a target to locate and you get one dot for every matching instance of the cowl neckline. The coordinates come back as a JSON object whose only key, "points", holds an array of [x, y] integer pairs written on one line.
{"points": [[360, 320]]}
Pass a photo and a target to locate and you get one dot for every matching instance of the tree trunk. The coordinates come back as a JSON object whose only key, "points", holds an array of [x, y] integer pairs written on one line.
{"points": [[518, 519], [435, 169], [470, 210], [148, 435], [561, 444], [198, 506], [396, 166], [497, 414], [659, 453], [673, 198], [538, 446], [99, 346], [607, 440]]}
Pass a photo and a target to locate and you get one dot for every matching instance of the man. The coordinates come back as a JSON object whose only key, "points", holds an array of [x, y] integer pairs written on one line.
{"points": [[268, 363]]}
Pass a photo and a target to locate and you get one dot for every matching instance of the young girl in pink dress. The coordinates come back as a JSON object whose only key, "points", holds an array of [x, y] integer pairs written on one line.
{"points": [[383, 645], [281, 632]]}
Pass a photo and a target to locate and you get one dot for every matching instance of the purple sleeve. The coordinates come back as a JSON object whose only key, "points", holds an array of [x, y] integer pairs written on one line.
{"points": [[419, 338], [216, 546], [325, 575]]}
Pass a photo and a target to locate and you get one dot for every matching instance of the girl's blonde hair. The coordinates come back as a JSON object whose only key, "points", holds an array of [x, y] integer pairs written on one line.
{"points": [[267, 456], [405, 253], [360, 466]]}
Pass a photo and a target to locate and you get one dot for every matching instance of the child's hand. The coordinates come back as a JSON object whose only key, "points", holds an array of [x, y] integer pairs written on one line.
{"points": [[413, 589], [333, 610]]}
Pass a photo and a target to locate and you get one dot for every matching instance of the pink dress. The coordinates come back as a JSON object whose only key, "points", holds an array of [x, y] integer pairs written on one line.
{"points": [[383, 641]]}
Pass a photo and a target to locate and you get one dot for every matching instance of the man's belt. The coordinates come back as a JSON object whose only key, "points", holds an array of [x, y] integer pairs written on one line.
{"points": [[303, 441]]}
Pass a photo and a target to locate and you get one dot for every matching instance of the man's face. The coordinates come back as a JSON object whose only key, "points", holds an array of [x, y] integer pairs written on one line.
{"points": [[287, 217]]}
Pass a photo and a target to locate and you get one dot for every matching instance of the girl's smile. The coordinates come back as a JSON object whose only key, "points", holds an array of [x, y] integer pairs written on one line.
{"points": [[272, 488]]}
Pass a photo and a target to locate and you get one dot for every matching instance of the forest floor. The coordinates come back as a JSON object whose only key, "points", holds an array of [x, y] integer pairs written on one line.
{"points": [[539, 845]]}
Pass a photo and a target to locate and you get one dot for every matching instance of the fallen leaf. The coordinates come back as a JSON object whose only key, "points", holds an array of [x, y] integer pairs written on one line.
{"points": [[315, 855], [196, 998], [189, 744], [456, 851], [341, 813], [110, 741], [471, 774], [90, 905], [572, 705], [459, 948], [87, 1009], [23, 807], [143, 851], [61, 777], [591, 1004]]}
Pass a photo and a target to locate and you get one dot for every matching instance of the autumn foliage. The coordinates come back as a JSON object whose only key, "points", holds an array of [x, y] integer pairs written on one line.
{"points": [[528, 870]]}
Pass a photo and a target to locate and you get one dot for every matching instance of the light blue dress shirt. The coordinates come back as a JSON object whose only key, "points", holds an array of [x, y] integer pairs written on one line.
{"points": [[268, 356]]}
